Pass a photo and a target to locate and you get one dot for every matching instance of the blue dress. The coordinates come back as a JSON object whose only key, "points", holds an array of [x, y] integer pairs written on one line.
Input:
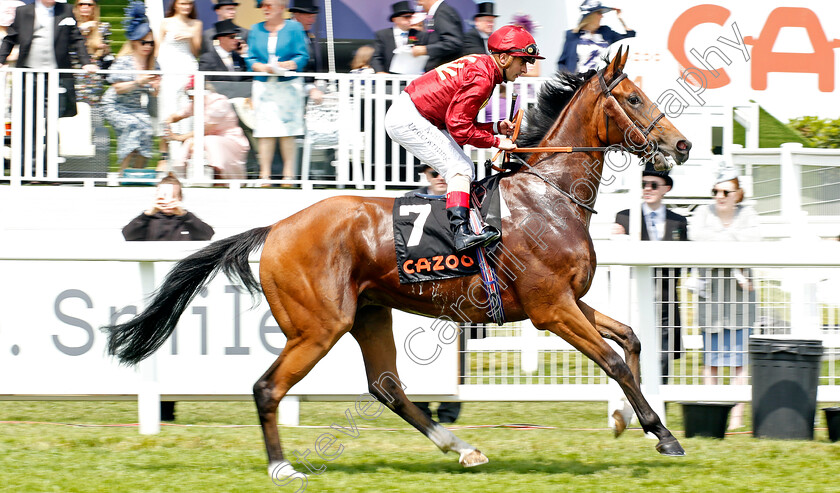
{"points": [[127, 112]]}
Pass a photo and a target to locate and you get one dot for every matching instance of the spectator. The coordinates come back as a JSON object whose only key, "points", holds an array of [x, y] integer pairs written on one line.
{"points": [[660, 224], [125, 103], [443, 40], [275, 46], [224, 57], [46, 33], [225, 145], [436, 186], [586, 43], [727, 302], [177, 48], [475, 40], [524, 21], [361, 60], [89, 87], [166, 219], [7, 16], [306, 12], [391, 38], [225, 11]]}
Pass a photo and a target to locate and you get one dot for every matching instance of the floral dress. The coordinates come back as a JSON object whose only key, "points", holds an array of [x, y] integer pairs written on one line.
{"points": [[128, 112], [89, 87]]}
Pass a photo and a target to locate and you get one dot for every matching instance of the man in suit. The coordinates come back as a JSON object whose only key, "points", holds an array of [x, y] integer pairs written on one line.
{"points": [[306, 12], [46, 33], [224, 56], [225, 10], [475, 40], [391, 38], [660, 224], [444, 36]]}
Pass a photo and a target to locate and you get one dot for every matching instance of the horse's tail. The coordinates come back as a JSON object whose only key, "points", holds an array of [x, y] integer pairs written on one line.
{"points": [[135, 340]]}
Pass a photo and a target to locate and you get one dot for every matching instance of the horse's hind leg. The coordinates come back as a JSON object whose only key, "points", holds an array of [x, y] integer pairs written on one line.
{"points": [[570, 323], [626, 338], [302, 351], [373, 331]]}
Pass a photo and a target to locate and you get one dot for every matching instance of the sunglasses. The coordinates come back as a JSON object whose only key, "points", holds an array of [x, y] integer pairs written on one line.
{"points": [[432, 172], [150, 42], [652, 184], [716, 191], [86, 4]]}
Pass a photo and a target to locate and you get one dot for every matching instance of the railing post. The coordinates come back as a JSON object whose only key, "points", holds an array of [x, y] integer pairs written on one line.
{"points": [[148, 398], [790, 186], [645, 328], [196, 167]]}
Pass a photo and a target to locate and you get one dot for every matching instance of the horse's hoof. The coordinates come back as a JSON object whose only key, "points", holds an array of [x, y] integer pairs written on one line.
{"points": [[670, 446], [473, 458], [620, 425], [282, 471]]}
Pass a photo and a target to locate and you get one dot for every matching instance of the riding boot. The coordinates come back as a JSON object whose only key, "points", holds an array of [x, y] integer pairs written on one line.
{"points": [[464, 237]]}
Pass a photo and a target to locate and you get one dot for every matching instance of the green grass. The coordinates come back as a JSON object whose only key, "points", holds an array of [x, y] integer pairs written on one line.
{"points": [[771, 132], [580, 455]]}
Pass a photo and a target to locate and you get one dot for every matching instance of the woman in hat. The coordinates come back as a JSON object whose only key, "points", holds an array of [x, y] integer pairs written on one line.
{"points": [[276, 46], [727, 301], [586, 44], [98, 42], [125, 103]]}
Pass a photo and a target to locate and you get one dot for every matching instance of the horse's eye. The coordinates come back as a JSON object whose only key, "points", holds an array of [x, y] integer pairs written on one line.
{"points": [[634, 100]]}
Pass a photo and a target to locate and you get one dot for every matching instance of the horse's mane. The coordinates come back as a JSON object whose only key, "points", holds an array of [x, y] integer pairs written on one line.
{"points": [[554, 96]]}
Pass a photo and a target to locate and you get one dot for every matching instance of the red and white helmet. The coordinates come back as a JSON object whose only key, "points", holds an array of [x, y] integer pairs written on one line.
{"points": [[515, 41]]}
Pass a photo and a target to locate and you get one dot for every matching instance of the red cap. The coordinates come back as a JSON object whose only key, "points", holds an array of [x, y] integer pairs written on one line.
{"points": [[514, 40]]}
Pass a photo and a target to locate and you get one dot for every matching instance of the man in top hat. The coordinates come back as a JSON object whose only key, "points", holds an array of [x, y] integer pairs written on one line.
{"points": [[391, 38], [306, 12], [475, 40], [436, 115], [444, 36], [223, 57], [225, 10], [660, 224]]}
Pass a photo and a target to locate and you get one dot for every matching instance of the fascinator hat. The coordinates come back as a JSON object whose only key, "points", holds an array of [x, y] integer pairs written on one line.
{"points": [[136, 23]]}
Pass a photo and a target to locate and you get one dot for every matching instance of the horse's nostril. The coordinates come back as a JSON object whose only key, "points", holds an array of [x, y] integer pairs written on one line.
{"points": [[684, 146]]}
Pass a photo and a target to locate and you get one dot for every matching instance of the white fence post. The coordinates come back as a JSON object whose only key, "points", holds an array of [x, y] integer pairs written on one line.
{"points": [[148, 399], [645, 328], [289, 410]]}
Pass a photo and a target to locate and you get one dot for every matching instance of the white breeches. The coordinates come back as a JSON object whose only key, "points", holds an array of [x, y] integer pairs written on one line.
{"points": [[426, 142]]}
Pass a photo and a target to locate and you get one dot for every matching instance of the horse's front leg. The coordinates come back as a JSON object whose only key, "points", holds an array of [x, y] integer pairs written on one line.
{"points": [[569, 322], [626, 338]]}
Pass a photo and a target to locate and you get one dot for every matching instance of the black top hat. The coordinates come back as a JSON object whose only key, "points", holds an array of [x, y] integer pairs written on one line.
{"points": [[224, 3], [650, 171], [304, 7], [225, 28], [400, 8], [485, 9]]}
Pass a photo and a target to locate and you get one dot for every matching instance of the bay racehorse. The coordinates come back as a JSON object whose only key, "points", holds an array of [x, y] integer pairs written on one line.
{"points": [[331, 268]]}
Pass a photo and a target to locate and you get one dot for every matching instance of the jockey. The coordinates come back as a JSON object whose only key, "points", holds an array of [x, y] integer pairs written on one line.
{"points": [[435, 116]]}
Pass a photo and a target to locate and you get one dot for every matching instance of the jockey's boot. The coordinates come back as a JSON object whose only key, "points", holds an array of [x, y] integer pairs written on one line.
{"points": [[459, 219]]}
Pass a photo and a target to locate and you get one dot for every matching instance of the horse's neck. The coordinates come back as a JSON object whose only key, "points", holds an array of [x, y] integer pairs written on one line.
{"points": [[578, 173]]}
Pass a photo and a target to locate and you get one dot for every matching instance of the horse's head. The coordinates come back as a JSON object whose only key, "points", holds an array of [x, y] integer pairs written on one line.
{"points": [[633, 121]]}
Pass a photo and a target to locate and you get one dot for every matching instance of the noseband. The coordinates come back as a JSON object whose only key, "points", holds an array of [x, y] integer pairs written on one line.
{"points": [[633, 130]]}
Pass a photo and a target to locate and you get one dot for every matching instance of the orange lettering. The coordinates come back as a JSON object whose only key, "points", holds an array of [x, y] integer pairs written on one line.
{"points": [[423, 264], [765, 60], [452, 262], [407, 266], [689, 19], [467, 261], [438, 262]]}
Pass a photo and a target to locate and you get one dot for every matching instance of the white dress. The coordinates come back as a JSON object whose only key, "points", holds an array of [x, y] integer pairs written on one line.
{"points": [[177, 62]]}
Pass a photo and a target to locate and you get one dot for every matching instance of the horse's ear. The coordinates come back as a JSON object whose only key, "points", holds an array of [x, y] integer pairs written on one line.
{"points": [[613, 67], [624, 58]]}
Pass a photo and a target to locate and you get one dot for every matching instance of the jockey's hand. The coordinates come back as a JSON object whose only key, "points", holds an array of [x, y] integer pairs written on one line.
{"points": [[506, 127], [506, 145]]}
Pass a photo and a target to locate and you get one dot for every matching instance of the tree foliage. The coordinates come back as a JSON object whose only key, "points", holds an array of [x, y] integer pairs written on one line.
{"points": [[819, 132]]}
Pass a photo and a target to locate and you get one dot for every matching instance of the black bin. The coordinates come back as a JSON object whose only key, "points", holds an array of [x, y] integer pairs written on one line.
{"points": [[785, 374], [706, 419]]}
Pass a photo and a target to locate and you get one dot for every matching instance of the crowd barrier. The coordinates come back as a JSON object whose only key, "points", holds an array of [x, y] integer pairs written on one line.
{"points": [[54, 301]]}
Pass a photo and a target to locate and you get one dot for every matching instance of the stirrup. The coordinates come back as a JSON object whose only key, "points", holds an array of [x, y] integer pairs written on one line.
{"points": [[471, 240]]}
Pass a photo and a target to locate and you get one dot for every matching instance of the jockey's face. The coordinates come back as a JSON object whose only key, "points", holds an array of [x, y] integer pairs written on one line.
{"points": [[517, 67]]}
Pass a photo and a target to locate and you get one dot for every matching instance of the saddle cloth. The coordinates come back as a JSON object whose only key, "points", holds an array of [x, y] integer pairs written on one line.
{"points": [[423, 238]]}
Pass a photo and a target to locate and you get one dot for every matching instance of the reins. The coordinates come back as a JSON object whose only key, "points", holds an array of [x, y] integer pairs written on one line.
{"points": [[606, 91]]}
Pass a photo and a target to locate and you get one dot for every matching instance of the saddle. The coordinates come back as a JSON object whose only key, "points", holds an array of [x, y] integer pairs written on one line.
{"points": [[423, 240]]}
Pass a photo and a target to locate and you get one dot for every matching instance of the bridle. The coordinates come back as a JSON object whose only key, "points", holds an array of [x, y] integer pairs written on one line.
{"points": [[637, 134]]}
